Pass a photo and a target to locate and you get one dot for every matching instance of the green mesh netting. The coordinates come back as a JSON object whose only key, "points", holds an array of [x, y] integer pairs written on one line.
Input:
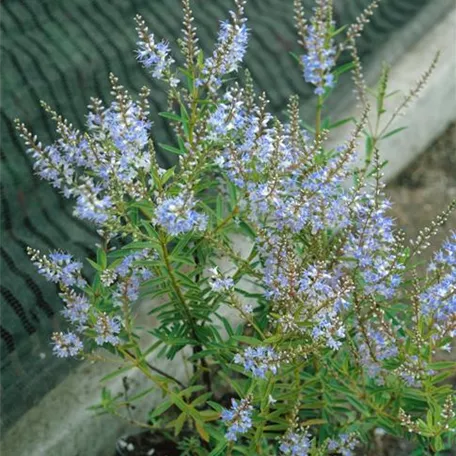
{"points": [[62, 51]]}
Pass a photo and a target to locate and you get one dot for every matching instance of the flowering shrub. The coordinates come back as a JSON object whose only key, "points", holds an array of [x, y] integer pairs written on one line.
{"points": [[318, 335]]}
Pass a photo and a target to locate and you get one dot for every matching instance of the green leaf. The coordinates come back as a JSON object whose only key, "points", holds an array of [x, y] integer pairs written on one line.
{"points": [[326, 123], [101, 258], [341, 122], [139, 245], [391, 94], [232, 192], [191, 389], [95, 265], [219, 207], [358, 405], [295, 57], [247, 230], [382, 86], [338, 31], [210, 415], [184, 407], [313, 422], [216, 406], [247, 340], [182, 245], [172, 116], [181, 143], [168, 175], [219, 449], [187, 281], [369, 148], [343, 69], [277, 427], [200, 400], [393, 132], [182, 260], [437, 443], [179, 423], [143, 393], [443, 365], [171, 149], [203, 354], [150, 230], [116, 373], [201, 429], [389, 425], [226, 324]]}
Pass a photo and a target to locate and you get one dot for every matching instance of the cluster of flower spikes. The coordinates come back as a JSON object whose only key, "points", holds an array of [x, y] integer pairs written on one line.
{"points": [[297, 442], [229, 50], [320, 56], [84, 318], [102, 166], [290, 189], [438, 301], [259, 361], [316, 292], [380, 340], [59, 268], [238, 418], [276, 165]]}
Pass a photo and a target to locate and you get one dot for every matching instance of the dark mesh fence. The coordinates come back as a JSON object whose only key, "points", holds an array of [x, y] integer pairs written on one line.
{"points": [[62, 51]]}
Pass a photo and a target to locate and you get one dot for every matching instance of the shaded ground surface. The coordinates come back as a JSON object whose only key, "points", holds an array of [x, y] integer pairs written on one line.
{"points": [[426, 188]]}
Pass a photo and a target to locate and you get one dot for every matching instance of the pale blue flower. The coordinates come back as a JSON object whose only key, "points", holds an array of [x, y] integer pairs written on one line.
{"points": [[238, 419], [107, 329], [66, 345], [177, 215], [295, 443], [259, 361]]}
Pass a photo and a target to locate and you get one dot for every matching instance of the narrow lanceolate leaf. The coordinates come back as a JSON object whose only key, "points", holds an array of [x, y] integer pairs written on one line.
{"points": [[393, 132], [173, 150], [201, 429], [160, 409], [341, 122], [116, 373], [172, 116], [247, 340]]}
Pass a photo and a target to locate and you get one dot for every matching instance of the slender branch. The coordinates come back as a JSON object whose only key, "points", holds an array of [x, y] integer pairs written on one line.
{"points": [[158, 371], [177, 289]]}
